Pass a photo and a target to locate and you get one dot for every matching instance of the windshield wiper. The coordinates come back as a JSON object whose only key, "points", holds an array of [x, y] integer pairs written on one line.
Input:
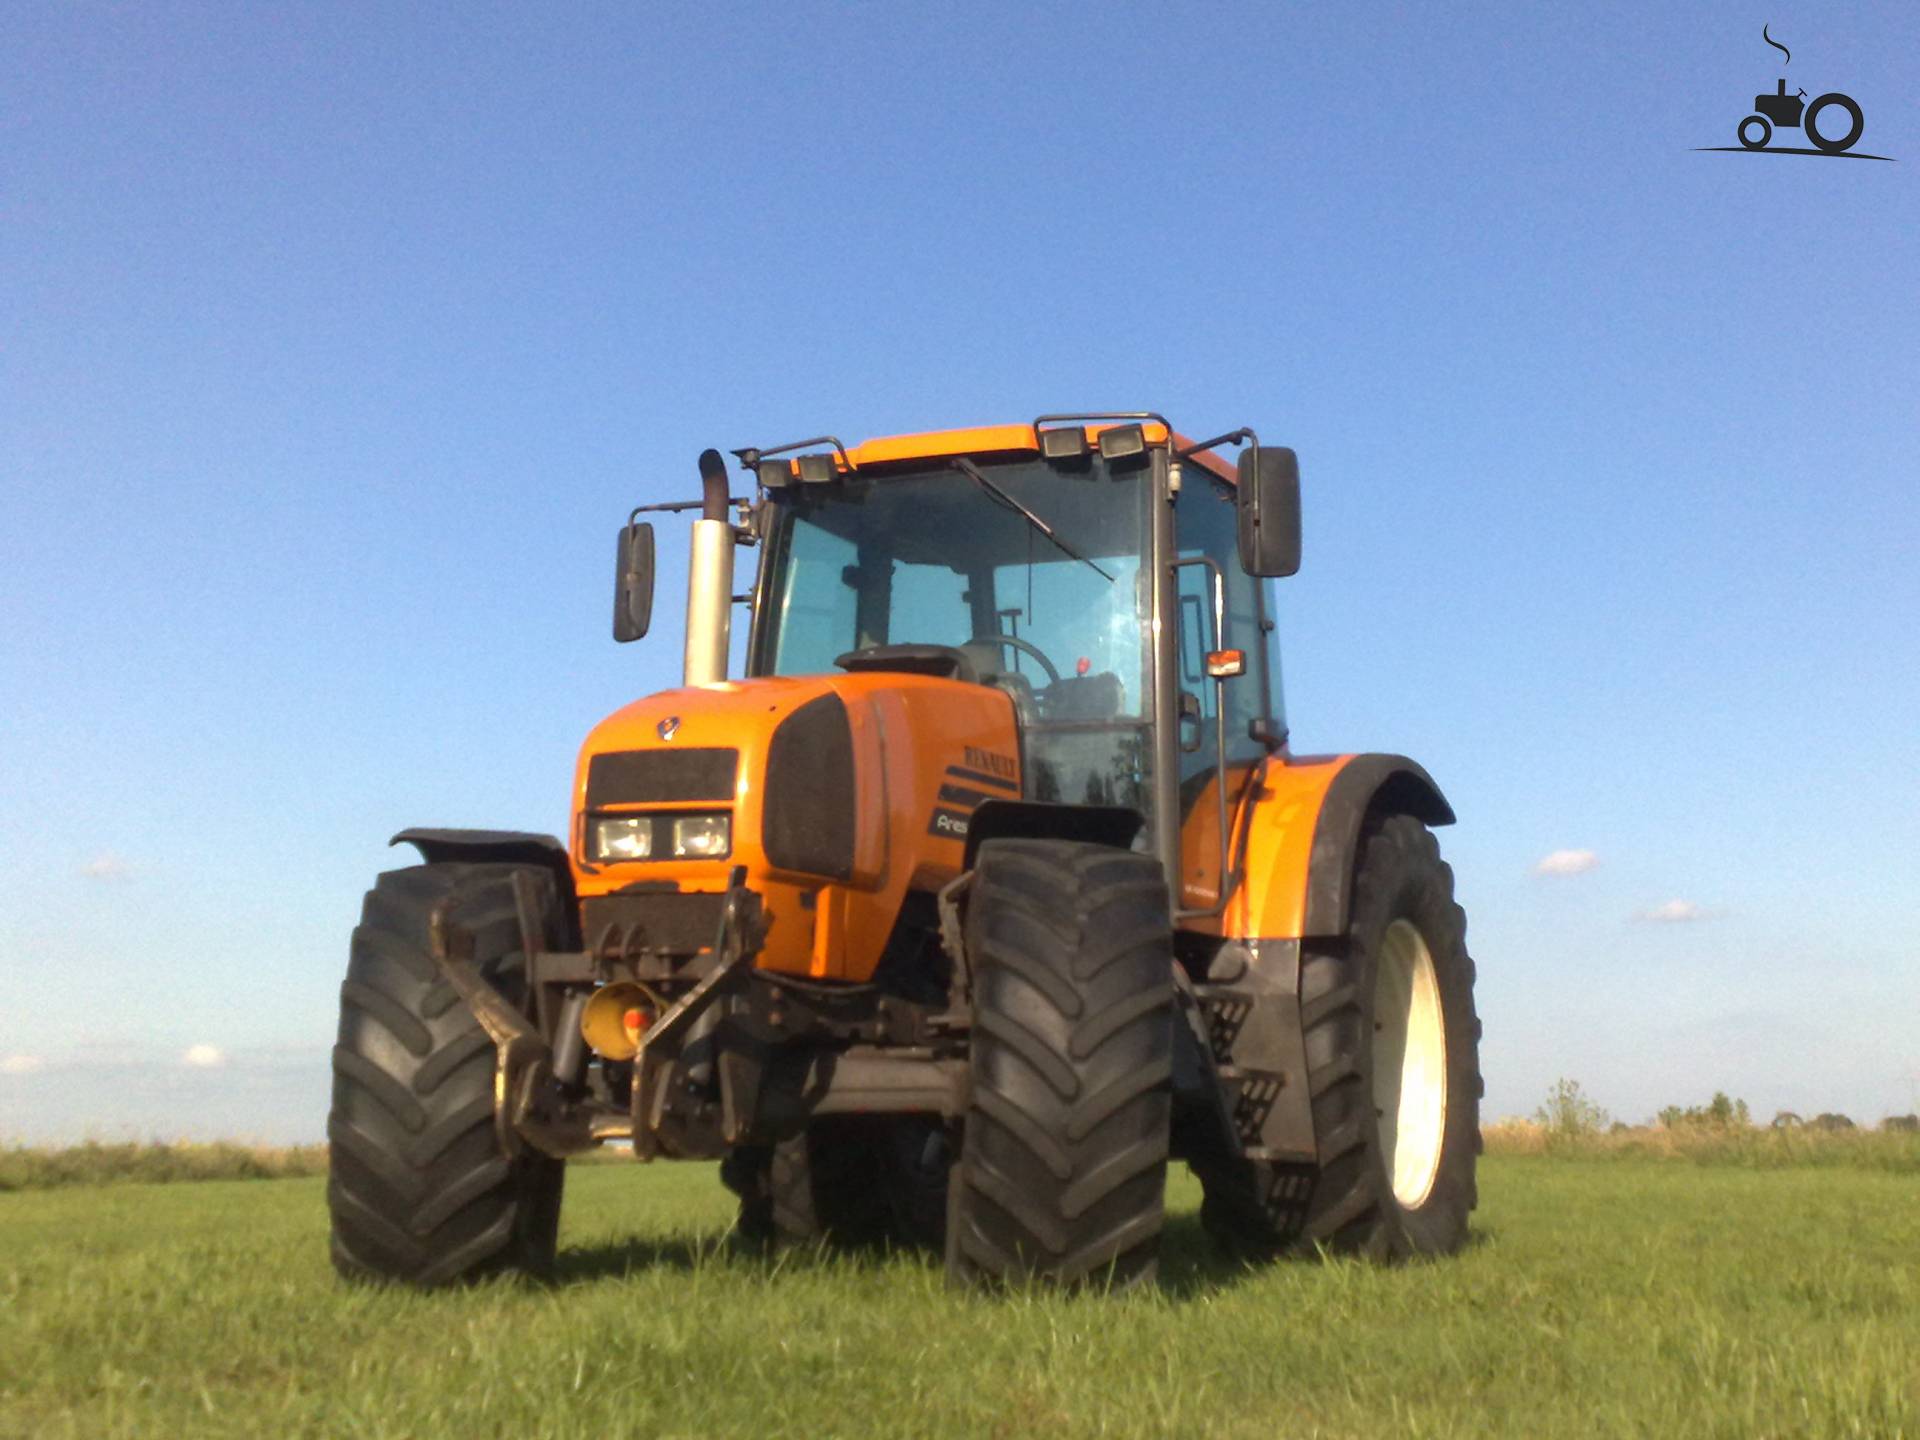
{"points": [[974, 473]]}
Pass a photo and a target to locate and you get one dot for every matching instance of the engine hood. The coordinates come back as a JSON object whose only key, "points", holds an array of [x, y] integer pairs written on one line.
{"points": [[842, 791]]}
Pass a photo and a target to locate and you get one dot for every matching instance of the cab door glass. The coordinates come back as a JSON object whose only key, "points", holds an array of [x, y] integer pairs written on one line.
{"points": [[1204, 525], [816, 607], [1197, 703]]}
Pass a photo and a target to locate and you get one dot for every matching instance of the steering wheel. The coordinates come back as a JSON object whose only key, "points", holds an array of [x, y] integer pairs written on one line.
{"points": [[1026, 646]]}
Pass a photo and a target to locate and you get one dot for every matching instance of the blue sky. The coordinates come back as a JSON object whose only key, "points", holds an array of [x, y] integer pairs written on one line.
{"points": [[336, 341]]}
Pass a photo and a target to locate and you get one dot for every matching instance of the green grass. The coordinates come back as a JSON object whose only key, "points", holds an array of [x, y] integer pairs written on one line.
{"points": [[1602, 1297]]}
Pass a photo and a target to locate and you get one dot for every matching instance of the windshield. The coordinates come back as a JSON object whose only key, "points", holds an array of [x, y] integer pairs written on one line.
{"points": [[934, 557]]}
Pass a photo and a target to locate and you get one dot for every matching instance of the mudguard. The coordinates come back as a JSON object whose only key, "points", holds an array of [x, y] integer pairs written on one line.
{"points": [[1297, 833], [499, 847], [1366, 784]]}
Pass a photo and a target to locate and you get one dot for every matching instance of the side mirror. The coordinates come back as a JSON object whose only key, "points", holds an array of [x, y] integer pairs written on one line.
{"points": [[633, 583], [1269, 505]]}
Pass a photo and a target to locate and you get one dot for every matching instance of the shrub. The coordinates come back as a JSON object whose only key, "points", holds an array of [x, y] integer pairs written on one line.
{"points": [[1719, 1113], [1570, 1115]]}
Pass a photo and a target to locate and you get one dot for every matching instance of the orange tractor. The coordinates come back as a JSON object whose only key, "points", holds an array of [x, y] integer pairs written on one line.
{"points": [[988, 889]]}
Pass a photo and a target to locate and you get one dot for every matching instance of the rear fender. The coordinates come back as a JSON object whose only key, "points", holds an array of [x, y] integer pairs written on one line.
{"points": [[1298, 847], [1366, 785]]}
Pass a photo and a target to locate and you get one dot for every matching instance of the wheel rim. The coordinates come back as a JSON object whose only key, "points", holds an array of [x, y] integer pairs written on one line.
{"points": [[1409, 1062]]}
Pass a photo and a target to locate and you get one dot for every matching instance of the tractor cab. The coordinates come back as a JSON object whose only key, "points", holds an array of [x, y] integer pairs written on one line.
{"points": [[1089, 568]]}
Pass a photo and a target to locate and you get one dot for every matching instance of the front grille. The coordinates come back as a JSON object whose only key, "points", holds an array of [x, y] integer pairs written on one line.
{"points": [[640, 777], [619, 925]]}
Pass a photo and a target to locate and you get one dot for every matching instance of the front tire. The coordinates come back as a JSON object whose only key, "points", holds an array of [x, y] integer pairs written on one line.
{"points": [[420, 1188], [1063, 1159]]}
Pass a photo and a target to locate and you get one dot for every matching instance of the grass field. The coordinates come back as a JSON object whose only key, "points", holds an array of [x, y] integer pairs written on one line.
{"points": [[1607, 1296]]}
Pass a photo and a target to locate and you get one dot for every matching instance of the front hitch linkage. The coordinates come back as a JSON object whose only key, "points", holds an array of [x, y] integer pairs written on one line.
{"points": [[527, 1107]]}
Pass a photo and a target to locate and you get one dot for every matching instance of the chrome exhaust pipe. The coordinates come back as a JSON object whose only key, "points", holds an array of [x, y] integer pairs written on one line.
{"points": [[710, 579]]}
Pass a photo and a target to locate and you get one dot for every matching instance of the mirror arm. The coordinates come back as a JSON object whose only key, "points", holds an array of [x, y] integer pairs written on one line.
{"points": [[750, 456], [1232, 437], [676, 505]]}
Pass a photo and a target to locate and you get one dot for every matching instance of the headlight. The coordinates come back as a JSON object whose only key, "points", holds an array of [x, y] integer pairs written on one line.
{"points": [[701, 836], [628, 837]]}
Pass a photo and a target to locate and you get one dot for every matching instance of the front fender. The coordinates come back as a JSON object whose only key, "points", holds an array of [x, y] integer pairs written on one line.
{"points": [[498, 847]]}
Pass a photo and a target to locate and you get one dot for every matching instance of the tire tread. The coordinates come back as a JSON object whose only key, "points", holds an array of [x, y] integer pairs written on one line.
{"points": [[421, 1191], [1062, 1170]]}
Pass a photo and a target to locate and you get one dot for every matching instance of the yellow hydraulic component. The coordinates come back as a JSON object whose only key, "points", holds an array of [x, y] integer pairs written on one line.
{"points": [[617, 1016]]}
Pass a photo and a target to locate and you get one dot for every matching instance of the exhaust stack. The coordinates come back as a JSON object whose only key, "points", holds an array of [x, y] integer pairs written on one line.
{"points": [[710, 578]]}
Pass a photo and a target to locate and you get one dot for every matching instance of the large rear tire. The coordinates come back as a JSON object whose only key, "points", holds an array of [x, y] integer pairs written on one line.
{"points": [[1393, 1058], [823, 1184], [1063, 1159], [420, 1188], [1393, 1075], [858, 1181]]}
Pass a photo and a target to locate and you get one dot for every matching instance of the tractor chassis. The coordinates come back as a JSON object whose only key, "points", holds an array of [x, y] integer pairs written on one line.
{"points": [[741, 1056], [737, 1057]]}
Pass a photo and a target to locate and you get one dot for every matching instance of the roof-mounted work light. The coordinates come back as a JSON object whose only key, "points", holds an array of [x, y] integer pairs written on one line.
{"points": [[1069, 442], [817, 470], [814, 469], [1122, 441]]}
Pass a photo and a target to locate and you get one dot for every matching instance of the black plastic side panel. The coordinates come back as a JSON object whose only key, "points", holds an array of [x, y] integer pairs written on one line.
{"points": [[1386, 784], [632, 777], [807, 820], [1253, 1009], [943, 661], [1033, 820]]}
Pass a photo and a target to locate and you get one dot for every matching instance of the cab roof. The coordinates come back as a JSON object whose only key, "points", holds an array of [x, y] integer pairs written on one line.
{"points": [[1011, 440]]}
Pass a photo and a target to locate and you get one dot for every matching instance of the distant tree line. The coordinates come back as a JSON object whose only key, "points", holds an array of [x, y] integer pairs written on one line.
{"points": [[1569, 1113]]}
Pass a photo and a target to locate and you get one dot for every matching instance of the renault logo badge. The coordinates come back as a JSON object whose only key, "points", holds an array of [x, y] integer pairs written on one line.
{"points": [[668, 726]]}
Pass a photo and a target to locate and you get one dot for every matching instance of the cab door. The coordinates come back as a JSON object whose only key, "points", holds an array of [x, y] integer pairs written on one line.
{"points": [[1218, 608]]}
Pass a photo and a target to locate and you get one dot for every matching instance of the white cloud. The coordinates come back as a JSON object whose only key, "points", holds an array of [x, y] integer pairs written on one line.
{"points": [[21, 1065], [1673, 912], [1567, 862], [204, 1057], [107, 867]]}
